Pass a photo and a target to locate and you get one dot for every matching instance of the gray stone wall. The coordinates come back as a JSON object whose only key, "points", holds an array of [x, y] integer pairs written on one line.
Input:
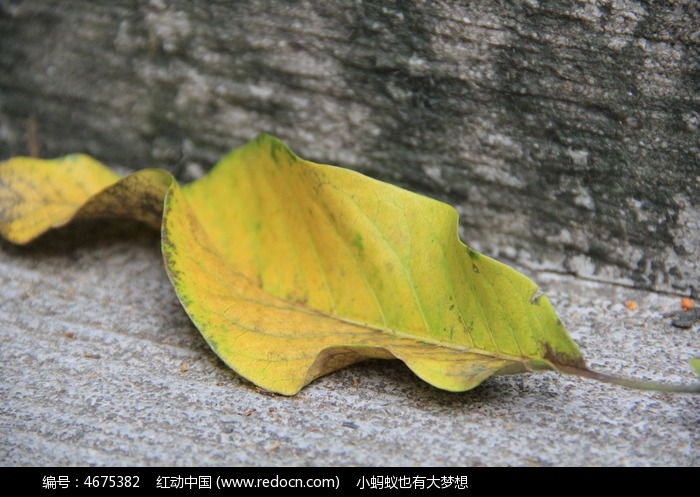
{"points": [[566, 133]]}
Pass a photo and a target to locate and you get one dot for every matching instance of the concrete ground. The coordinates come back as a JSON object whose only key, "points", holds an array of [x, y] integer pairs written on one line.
{"points": [[99, 365]]}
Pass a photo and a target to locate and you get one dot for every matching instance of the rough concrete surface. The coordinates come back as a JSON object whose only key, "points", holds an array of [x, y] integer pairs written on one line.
{"points": [[94, 372]]}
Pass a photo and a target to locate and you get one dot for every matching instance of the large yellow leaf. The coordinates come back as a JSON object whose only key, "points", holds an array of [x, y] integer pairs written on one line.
{"points": [[291, 270]]}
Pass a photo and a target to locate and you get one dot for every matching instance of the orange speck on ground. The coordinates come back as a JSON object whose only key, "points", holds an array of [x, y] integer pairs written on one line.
{"points": [[631, 305], [687, 304]]}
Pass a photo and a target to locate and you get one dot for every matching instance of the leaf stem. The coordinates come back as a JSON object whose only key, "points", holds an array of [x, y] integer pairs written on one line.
{"points": [[629, 382]]}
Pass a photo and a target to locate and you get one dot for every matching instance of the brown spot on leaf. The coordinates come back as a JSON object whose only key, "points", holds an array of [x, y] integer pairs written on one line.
{"points": [[561, 358], [536, 295]]}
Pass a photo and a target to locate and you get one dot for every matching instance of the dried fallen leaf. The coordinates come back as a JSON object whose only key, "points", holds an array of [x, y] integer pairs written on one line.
{"points": [[273, 412], [291, 270], [184, 367], [684, 319], [263, 391], [273, 447]]}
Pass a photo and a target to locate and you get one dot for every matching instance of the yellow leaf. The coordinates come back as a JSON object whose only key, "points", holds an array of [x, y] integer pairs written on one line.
{"points": [[37, 195], [291, 270]]}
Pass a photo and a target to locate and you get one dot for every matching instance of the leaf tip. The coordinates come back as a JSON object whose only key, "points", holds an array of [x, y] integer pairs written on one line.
{"points": [[275, 146]]}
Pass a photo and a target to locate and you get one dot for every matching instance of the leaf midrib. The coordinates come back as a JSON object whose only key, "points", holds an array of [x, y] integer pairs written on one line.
{"points": [[305, 309]]}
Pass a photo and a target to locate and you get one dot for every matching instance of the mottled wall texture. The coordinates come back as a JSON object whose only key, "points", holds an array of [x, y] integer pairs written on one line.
{"points": [[566, 132]]}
